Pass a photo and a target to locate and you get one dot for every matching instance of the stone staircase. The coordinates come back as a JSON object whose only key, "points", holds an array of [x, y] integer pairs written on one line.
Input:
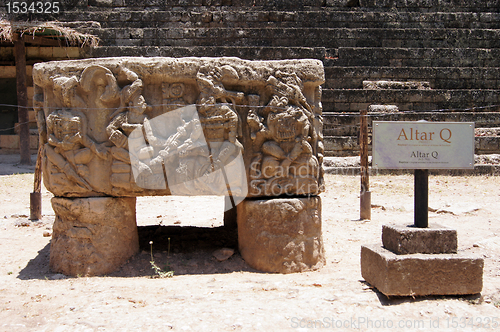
{"points": [[451, 44]]}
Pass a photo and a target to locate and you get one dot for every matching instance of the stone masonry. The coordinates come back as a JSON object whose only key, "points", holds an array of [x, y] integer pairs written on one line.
{"points": [[450, 44]]}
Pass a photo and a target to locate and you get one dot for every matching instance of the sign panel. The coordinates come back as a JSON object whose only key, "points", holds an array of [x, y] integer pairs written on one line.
{"points": [[423, 145]]}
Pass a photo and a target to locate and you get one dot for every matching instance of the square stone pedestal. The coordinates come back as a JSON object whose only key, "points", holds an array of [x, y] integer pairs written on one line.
{"points": [[419, 262], [281, 234], [434, 239], [421, 274]]}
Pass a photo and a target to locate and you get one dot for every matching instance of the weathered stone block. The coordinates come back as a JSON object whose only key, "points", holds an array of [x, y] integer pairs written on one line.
{"points": [[12, 142], [282, 234], [383, 108], [421, 274], [129, 127], [435, 239], [92, 236], [410, 85]]}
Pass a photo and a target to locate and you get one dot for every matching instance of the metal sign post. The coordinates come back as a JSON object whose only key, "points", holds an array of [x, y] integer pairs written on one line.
{"points": [[422, 145], [421, 203]]}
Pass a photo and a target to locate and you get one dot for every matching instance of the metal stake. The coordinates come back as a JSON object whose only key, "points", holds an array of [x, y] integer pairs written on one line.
{"points": [[421, 207]]}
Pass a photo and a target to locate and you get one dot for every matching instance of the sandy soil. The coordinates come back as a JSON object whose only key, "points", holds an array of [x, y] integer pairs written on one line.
{"points": [[208, 295]]}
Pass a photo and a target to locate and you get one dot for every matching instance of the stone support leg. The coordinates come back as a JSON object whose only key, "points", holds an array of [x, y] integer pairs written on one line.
{"points": [[281, 234], [92, 236]]}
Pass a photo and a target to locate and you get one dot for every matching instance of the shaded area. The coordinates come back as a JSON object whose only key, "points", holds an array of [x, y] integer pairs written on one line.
{"points": [[398, 300], [10, 164], [191, 252], [186, 238], [38, 267], [8, 112]]}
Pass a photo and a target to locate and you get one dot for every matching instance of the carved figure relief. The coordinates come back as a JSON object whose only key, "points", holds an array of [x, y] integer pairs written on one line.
{"points": [[172, 96], [69, 151], [126, 127], [285, 138], [130, 127]]}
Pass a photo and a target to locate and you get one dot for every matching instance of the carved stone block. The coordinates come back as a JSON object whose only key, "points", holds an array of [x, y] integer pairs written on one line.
{"points": [[281, 234], [92, 236], [435, 239], [188, 126], [421, 274], [127, 127]]}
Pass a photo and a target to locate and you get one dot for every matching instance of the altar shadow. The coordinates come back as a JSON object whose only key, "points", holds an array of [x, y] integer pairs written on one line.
{"points": [[185, 250]]}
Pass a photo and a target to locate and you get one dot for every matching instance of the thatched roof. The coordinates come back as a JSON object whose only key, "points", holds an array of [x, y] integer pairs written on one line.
{"points": [[52, 30]]}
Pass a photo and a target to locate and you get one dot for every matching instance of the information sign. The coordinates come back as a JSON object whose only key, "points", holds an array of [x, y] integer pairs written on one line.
{"points": [[422, 145]]}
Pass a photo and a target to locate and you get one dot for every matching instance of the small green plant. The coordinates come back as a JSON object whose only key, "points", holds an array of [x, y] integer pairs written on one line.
{"points": [[159, 272], [9, 273]]}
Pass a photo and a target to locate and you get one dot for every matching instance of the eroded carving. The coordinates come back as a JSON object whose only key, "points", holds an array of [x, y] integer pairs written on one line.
{"points": [[286, 139], [126, 127], [184, 126], [69, 151]]}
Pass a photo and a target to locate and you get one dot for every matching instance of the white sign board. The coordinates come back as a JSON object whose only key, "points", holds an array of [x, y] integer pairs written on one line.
{"points": [[422, 145]]}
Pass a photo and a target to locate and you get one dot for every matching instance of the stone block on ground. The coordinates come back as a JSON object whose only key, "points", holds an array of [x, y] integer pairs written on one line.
{"points": [[421, 274], [435, 239], [92, 236], [282, 234]]}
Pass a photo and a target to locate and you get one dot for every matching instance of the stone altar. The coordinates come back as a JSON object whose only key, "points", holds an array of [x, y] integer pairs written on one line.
{"points": [[116, 128], [419, 262]]}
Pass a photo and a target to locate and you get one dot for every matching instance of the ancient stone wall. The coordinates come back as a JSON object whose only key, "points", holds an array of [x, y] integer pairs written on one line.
{"points": [[451, 44]]}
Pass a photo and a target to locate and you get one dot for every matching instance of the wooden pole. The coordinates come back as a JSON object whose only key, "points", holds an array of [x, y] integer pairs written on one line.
{"points": [[36, 195], [365, 195], [22, 101]]}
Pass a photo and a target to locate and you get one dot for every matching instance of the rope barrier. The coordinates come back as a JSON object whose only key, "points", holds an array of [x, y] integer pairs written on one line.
{"points": [[335, 114], [264, 106], [17, 125]]}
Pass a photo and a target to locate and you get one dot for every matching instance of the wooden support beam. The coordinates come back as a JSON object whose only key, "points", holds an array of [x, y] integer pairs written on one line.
{"points": [[36, 40], [365, 194], [41, 41], [22, 102], [36, 195]]}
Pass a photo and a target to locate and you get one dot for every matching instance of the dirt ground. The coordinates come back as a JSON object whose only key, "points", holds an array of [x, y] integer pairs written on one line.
{"points": [[208, 295]]}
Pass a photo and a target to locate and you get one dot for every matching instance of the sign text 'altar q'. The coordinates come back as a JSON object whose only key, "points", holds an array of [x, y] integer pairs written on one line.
{"points": [[423, 145]]}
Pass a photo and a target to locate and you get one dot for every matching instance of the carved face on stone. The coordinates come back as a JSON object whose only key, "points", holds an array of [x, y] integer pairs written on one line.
{"points": [[285, 126], [66, 128], [138, 104]]}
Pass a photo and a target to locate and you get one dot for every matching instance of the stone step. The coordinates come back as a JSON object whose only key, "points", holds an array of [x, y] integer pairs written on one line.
{"points": [[255, 53], [353, 100], [414, 5], [345, 146], [353, 130], [324, 18], [333, 122], [327, 13], [416, 57], [479, 169], [439, 78], [401, 39], [277, 37]]}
